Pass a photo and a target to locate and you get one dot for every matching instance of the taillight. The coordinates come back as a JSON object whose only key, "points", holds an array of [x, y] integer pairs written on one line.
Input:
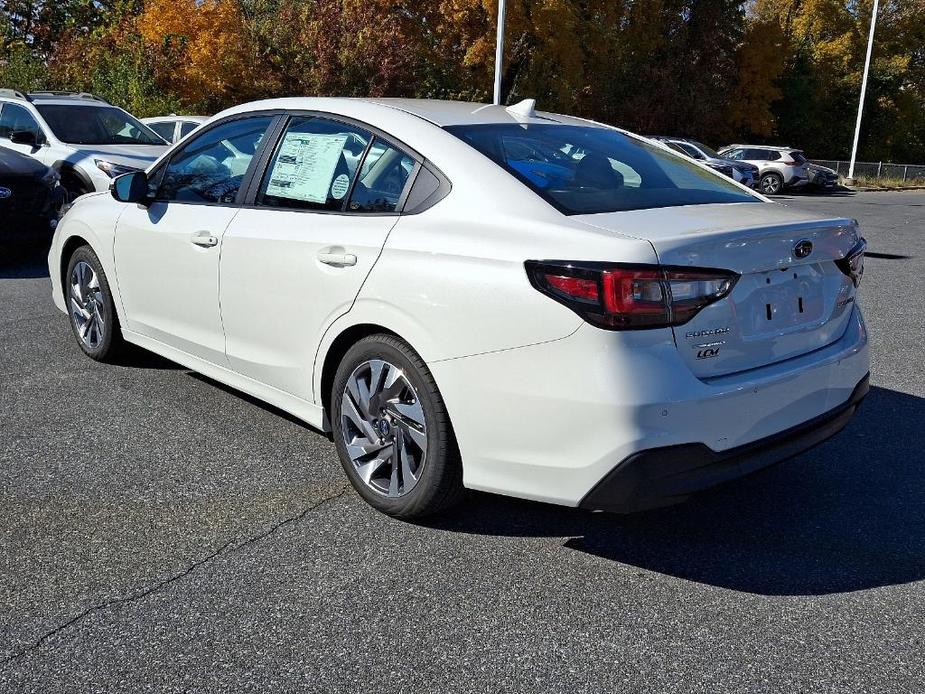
{"points": [[630, 297], [853, 263]]}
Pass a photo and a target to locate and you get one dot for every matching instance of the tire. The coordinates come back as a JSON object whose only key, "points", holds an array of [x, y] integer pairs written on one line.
{"points": [[91, 310], [771, 183], [395, 442]]}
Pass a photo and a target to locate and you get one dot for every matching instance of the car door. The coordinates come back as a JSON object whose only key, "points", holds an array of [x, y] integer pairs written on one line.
{"points": [[167, 251], [295, 258]]}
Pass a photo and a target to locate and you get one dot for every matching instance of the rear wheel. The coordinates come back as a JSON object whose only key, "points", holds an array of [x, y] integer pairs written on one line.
{"points": [[771, 183], [90, 306], [392, 430]]}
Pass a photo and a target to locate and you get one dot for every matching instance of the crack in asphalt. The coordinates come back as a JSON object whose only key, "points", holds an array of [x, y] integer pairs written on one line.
{"points": [[133, 597]]}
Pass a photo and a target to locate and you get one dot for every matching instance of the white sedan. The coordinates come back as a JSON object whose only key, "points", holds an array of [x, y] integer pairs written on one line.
{"points": [[472, 296]]}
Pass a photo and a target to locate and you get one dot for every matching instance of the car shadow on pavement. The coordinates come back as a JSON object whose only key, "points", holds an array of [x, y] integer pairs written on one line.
{"points": [[849, 515]]}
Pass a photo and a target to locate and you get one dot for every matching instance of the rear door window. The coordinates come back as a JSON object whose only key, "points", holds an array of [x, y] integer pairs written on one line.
{"points": [[164, 129], [323, 164]]}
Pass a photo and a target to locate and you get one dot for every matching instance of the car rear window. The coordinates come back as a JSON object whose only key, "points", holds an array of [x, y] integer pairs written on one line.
{"points": [[589, 170]]}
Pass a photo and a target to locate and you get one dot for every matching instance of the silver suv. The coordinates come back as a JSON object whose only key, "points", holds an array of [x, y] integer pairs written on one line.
{"points": [[778, 167], [87, 140]]}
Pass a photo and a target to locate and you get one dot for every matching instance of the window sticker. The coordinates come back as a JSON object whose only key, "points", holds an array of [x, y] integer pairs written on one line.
{"points": [[340, 186], [305, 166]]}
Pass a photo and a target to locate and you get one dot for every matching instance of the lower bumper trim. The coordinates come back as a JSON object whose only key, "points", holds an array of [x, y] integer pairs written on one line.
{"points": [[663, 476]]}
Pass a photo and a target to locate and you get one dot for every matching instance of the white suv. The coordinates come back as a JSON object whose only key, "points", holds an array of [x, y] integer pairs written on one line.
{"points": [[87, 140], [779, 167]]}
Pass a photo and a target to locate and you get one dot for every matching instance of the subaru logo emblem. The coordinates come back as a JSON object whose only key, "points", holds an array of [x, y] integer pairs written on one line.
{"points": [[803, 249], [5, 193]]}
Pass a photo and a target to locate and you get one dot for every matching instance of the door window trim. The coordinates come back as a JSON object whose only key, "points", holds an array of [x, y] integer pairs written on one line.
{"points": [[250, 200], [268, 136], [256, 170]]}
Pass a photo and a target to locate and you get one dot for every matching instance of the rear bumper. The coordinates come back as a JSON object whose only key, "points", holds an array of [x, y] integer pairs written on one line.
{"points": [[550, 421], [663, 476]]}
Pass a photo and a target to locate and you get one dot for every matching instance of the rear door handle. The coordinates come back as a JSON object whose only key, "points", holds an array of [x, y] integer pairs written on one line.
{"points": [[337, 259], [204, 239]]}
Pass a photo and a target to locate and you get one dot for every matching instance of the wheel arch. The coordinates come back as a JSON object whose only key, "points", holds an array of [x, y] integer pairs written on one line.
{"points": [[67, 250], [64, 167], [335, 352]]}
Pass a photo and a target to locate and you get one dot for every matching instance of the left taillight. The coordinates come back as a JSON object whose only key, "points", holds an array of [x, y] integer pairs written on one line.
{"points": [[853, 263], [630, 297]]}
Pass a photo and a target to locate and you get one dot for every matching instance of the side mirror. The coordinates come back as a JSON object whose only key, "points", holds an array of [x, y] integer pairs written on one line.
{"points": [[130, 187], [24, 137]]}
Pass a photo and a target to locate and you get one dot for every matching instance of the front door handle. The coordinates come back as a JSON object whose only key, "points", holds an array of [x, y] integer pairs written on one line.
{"points": [[337, 259], [204, 239]]}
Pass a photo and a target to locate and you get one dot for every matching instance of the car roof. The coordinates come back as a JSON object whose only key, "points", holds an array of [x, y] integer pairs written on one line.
{"points": [[174, 118], [436, 111], [775, 148], [62, 100]]}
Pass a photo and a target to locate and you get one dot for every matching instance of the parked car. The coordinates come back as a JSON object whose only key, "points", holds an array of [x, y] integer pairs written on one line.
{"points": [[740, 171], [87, 140], [174, 128], [822, 176], [31, 198], [779, 167], [614, 331]]}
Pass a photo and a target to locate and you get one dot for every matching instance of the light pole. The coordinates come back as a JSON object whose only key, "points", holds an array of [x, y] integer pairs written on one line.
{"points": [[857, 126], [499, 52]]}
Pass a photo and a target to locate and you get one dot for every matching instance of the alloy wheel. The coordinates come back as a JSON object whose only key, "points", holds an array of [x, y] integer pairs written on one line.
{"points": [[383, 428], [770, 185], [86, 304]]}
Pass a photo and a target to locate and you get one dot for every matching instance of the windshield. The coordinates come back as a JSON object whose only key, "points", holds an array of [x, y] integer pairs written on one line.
{"points": [[96, 125], [588, 170], [709, 151]]}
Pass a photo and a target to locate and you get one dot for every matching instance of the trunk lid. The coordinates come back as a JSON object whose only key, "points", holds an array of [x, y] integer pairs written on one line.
{"points": [[782, 306]]}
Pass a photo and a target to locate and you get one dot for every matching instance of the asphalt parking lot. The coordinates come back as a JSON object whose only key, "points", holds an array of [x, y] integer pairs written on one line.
{"points": [[159, 533]]}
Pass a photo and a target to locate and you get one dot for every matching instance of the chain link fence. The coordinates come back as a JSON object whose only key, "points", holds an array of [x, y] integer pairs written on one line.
{"points": [[878, 170]]}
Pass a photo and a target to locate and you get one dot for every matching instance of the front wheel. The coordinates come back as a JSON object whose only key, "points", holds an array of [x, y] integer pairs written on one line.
{"points": [[771, 183], [90, 306], [392, 430]]}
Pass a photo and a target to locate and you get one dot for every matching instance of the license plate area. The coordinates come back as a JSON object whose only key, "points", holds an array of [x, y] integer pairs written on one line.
{"points": [[781, 300]]}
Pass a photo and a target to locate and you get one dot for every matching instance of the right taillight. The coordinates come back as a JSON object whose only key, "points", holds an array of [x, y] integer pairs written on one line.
{"points": [[853, 263], [630, 297]]}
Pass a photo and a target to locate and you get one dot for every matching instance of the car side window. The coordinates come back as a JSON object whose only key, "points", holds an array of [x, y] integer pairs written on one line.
{"points": [[14, 118], [772, 155], [314, 165], [210, 168], [734, 154], [383, 176], [187, 127], [691, 151], [755, 154], [164, 129]]}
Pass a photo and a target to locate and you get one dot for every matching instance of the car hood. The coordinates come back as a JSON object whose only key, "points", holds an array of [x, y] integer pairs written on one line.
{"points": [[16, 165], [818, 167], [136, 156]]}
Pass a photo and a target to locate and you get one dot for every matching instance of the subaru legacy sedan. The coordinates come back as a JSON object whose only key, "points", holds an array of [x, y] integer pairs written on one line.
{"points": [[473, 296]]}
